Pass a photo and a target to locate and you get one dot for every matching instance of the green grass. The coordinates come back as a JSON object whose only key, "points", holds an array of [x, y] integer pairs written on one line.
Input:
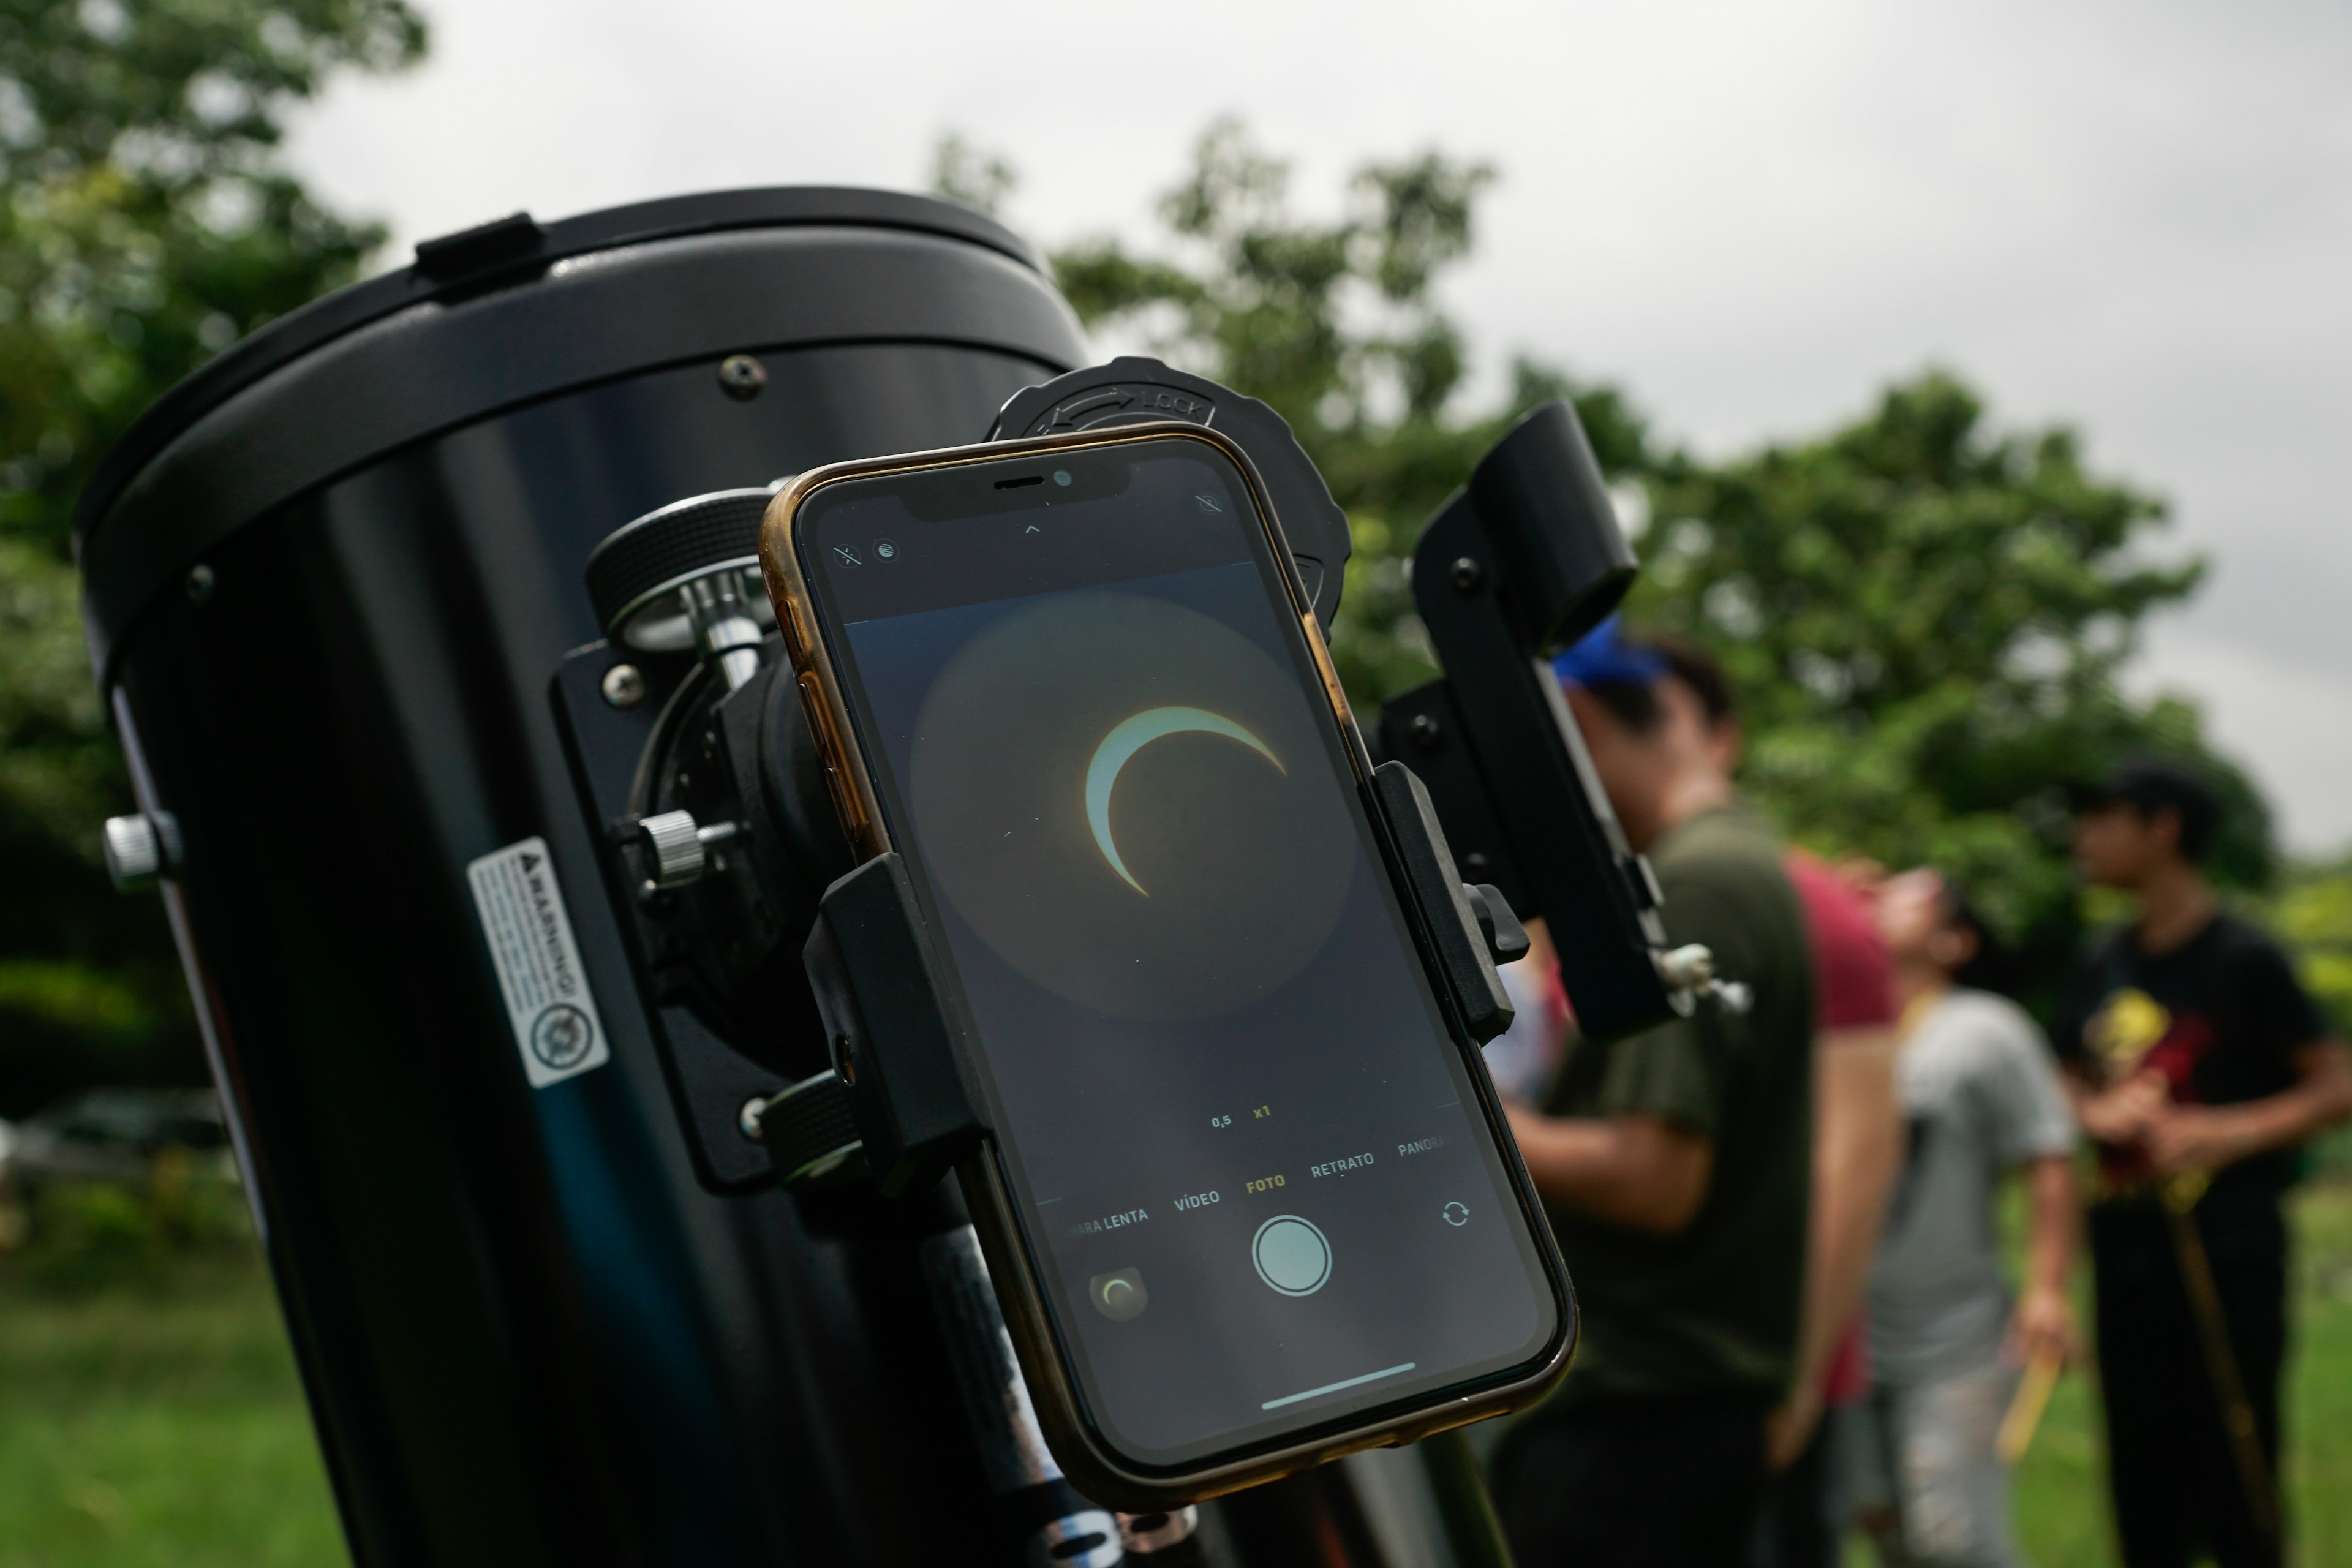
{"points": [[155, 1418], [149, 1415], [2061, 1489], [2319, 1413]]}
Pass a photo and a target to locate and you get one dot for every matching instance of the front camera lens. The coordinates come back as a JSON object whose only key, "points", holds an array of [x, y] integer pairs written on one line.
{"points": [[883, 550], [1061, 476]]}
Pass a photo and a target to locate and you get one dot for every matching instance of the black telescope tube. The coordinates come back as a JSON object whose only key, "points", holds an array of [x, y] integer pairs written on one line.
{"points": [[527, 1333]]}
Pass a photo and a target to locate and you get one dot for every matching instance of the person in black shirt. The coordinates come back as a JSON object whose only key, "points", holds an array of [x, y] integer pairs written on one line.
{"points": [[2198, 1065]]}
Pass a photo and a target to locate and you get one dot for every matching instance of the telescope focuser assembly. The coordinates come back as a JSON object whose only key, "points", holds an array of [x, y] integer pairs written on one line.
{"points": [[694, 760], [677, 580]]}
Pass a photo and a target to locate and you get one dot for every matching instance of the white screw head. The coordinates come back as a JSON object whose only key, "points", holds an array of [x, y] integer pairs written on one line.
{"points": [[625, 686]]}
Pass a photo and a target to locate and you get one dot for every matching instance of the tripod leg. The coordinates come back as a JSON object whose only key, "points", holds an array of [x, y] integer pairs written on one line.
{"points": [[1040, 1507]]}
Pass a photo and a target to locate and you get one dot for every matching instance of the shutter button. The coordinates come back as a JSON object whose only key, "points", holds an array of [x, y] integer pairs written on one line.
{"points": [[1292, 1255]]}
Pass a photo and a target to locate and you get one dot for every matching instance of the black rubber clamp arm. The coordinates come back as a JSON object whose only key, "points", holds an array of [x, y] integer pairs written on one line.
{"points": [[1469, 926], [901, 1041]]}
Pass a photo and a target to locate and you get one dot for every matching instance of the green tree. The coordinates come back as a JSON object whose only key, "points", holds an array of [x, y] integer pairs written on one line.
{"points": [[963, 172], [1925, 616], [147, 226], [1336, 324], [2313, 914]]}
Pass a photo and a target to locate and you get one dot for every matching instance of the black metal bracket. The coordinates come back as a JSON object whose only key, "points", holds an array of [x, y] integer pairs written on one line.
{"points": [[1523, 559], [901, 1041], [711, 1078]]}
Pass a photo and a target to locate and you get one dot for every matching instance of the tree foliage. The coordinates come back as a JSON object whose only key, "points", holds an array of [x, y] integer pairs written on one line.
{"points": [[1335, 322], [147, 226], [970, 175], [1925, 618], [1924, 615], [2313, 913]]}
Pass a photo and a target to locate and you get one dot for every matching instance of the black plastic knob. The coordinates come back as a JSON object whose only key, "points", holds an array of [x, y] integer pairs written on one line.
{"points": [[635, 576], [1131, 390]]}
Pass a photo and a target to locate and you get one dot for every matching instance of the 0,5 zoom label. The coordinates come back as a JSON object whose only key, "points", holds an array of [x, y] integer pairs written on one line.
{"points": [[1265, 1184]]}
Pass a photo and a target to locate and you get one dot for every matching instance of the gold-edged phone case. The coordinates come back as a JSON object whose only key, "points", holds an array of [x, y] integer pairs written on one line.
{"points": [[1090, 1465]]}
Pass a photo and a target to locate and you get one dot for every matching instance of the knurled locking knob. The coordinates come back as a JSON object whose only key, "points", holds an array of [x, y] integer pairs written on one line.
{"points": [[1688, 968], [673, 842], [678, 846], [637, 577], [809, 1130], [1691, 970], [141, 847]]}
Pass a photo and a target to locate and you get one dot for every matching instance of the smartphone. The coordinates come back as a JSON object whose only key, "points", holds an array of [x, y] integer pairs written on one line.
{"points": [[1250, 1202]]}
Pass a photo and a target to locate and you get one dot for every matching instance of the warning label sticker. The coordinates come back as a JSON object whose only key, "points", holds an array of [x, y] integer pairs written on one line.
{"points": [[555, 1017]]}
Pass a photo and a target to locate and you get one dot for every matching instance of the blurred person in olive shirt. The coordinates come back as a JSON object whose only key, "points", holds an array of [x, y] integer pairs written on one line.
{"points": [[1677, 1164]]}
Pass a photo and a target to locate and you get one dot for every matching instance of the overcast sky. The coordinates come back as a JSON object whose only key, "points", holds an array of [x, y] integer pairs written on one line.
{"points": [[2135, 217]]}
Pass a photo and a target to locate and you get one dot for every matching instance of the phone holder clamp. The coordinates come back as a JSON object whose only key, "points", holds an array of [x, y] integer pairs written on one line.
{"points": [[902, 1102], [901, 1044], [1520, 562], [1472, 927]]}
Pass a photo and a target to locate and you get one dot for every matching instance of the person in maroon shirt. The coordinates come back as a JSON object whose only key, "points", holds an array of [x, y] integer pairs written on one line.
{"points": [[1857, 1145]]}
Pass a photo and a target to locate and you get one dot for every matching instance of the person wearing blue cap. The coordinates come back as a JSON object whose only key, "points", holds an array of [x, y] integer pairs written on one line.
{"points": [[1677, 1164]]}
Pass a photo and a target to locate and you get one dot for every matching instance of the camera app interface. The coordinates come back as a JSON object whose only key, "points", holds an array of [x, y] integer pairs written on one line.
{"points": [[1248, 1156]]}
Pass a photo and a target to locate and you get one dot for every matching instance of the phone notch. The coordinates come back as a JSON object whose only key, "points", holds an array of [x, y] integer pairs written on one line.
{"points": [[959, 494]]}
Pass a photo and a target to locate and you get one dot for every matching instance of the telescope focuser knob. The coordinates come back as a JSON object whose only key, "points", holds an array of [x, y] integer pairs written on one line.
{"points": [[678, 848], [140, 849], [686, 578], [1690, 971]]}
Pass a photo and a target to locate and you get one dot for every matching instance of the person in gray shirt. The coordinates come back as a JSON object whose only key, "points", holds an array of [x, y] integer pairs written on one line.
{"points": [[1981, 1093]]}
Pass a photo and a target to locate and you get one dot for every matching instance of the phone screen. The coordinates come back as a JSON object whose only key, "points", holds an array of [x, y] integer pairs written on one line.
{"points": [[1251, 1163]]}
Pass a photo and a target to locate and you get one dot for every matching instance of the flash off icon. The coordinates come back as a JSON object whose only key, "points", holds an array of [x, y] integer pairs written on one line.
{"points": [[1209, 503]]}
